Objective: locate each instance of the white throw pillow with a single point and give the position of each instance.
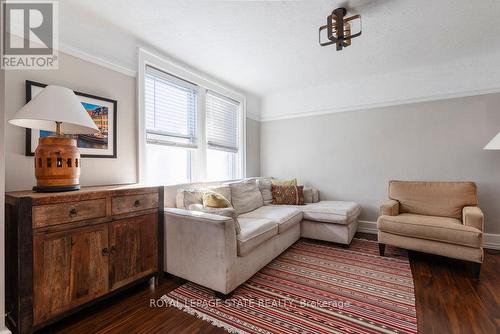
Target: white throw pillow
(246, 196)
(315, 195)
(308, 195)
(186, 197)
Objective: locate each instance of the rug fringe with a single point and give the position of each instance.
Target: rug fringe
(201, 315)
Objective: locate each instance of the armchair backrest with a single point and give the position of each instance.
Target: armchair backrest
(444, 199)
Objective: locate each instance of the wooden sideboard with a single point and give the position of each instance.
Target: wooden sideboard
(65, 251)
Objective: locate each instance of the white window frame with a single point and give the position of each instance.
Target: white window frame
(199, 158)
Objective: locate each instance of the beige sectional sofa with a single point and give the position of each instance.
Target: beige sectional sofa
(209, 250)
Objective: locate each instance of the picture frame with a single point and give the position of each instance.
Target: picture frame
(102, 110)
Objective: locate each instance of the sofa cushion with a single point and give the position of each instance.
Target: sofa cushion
(435, 228)
(226, 212)
(254, 231)
(445, 199)
(284, 216)
(246, 196)
(265, 188)
(337, 212)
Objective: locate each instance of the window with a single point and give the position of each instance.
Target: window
(190, 128)
(170, 119)
(222, 120)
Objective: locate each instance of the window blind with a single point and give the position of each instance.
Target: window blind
(222, 115)
(170, 107)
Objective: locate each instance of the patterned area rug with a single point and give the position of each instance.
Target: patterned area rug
(315, 288)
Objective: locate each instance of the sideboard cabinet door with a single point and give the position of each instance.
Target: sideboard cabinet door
(69, 269)
(133, 245)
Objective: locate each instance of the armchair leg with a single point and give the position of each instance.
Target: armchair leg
(381, 249)
(476, 269)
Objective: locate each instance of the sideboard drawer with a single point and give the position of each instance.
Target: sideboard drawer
(131, 203)
(54, 214)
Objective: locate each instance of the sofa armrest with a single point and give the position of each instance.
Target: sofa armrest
(200, 247)
(389, 208)
(473, 216)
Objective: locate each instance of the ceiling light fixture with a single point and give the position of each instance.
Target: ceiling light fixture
(339, 29)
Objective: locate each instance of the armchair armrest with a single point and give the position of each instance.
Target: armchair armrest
(200, 247)
(473, 216)
(390, 208)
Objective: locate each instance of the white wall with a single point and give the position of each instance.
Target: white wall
(253, 148)
(254, 106)
(459, 77)
(86, 77)
(353, 155)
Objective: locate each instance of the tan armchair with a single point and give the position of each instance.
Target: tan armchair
(434, 217)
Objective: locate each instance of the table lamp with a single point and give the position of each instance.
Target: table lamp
(494, 144)
(57, 159)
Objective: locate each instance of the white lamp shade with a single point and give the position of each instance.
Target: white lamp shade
(55, 104)
(494, 144)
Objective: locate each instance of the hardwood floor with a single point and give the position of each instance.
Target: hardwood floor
(448, 300)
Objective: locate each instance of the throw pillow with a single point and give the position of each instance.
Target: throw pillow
(291, 182)
(226, 212)
(215, 200)
(315, 194)
(246, 196)
(265, 189)
(186, 197)
(288, 195)
(224, 190)
(308, 195)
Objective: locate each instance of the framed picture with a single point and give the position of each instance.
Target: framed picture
(103, 112)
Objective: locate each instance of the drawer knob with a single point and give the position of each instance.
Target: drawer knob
(73, 212)
(112, 249)
(105, 251)
(137, 203)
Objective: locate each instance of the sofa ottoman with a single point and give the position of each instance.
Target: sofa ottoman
(335, 221)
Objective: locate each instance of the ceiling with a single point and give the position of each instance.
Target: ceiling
(266, 47)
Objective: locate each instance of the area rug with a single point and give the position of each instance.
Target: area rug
(314, 287)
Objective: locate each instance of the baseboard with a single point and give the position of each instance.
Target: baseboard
(491, 241)
(365, 226)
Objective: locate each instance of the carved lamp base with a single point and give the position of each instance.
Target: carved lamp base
(57, 164)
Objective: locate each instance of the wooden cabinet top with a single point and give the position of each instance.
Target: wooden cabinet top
(85, 193)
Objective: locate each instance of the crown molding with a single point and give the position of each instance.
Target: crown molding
(252, 115)
(64, 48)
(389, 103)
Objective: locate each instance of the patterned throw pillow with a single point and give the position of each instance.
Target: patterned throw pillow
(291, 182)
(288, 195)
